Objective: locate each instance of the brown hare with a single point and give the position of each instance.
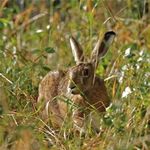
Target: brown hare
(78, 86)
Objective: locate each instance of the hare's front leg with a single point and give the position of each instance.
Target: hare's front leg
(78, 112)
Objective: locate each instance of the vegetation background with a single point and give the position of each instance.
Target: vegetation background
(34, 39)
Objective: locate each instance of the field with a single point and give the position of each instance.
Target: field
(34, 39)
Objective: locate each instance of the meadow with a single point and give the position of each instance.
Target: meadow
(34, 39)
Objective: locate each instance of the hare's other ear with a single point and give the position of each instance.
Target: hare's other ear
(76, 50)
(102, 47)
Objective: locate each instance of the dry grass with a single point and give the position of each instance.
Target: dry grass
(34, 41)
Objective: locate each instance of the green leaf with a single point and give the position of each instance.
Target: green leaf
(1, 25)
(49, 50)
(1, 109)
(46, 68)
(36, 51)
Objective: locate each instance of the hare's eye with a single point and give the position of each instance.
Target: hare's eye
(86, 72)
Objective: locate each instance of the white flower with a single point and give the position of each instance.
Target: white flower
(4, 38)
(137, 66)
(14, 50)
(141, 52)
(121, 76)
(84, 8)
(147, 74)
(126, 92)
(140, 59)
(127, 52)
(48, 27)
(39, 31)
(125, 67)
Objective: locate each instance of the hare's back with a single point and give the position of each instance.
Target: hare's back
(48, 87)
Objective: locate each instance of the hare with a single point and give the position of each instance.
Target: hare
(78, 85)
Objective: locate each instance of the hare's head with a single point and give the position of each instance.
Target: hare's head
(81, 76)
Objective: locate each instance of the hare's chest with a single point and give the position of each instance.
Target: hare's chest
(70, 104)
(99, 100)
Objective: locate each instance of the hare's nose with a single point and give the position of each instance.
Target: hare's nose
(72, 86)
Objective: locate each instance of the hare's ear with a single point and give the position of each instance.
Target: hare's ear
(76, 50)
(101, 47)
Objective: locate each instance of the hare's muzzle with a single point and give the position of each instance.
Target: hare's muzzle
(73, 89)
(72, 86)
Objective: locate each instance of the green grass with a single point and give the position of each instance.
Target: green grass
(30, 47)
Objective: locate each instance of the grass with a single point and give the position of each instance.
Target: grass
(36, 41)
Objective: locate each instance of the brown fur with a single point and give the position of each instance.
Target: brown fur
(77, 88)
